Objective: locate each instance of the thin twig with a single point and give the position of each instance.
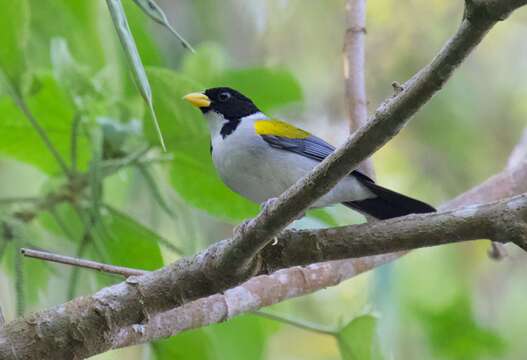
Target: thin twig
(296, 323)
(74, 141)
(110, 167)
(20, 199)
(19, 282)
(2, 319)
(88, 264)
(158, 15)
(355, 72)
(161, 240)
(21, 103)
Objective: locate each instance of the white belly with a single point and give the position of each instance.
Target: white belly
(252, 168)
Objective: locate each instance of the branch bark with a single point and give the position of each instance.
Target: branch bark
(90, 321)
(265, 290)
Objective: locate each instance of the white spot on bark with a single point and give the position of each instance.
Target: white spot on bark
(282, 277)
(516, 203)
(139, 329)
(467, 211)
(239, 300)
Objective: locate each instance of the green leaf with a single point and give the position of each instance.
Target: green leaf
(74, 77)
(156, 13)
(190, 345)
(144, 39)
(268, 88)
(63, 216)
(53, 110)
(126, 241)
(255, 330)
(359, 340)
(129, 243)
(219, 341)
(192, 173)
(130, 48)
(35, 273)
(324, 216)
(80, 23)
(453, 333)
(14, 34)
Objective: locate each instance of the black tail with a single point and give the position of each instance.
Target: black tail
(388, 204)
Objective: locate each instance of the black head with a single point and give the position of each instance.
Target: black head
(226, 101)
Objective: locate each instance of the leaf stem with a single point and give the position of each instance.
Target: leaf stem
(22, 105)
(296, 323)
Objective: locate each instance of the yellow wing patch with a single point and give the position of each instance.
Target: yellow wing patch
(279, 128)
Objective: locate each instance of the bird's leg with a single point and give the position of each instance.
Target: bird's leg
(267, 203)
(265, 206)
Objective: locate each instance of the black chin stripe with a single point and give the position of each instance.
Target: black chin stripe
(229, 127)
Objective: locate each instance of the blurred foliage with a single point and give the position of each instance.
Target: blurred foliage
(359, 339)
(124, 201)
(453, 333)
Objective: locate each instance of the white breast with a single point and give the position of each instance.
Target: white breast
(254, 169)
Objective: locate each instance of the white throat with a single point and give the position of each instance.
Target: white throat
(216, 121)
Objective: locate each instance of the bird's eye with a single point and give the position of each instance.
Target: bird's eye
(224, 96)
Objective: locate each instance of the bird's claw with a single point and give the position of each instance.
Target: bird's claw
(269, 202)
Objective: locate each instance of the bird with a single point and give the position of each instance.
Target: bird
(260, 157)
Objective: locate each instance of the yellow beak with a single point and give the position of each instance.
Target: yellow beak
(197, 99)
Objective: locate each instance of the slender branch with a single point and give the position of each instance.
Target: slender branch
(354, 71)
(257, 292)
(88, 264)
(21, 199)
(227, 263)
(19, 280)
(74, 141)
(2, 319)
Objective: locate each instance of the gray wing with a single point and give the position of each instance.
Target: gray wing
(311, 147)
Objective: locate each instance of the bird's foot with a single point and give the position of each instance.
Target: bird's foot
(269, 202)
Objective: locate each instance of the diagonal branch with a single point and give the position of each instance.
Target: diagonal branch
(228, 263)
(384, 124)
(256, 291)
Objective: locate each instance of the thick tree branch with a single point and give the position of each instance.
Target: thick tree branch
(502, 221)
(354, 71)
(265, 290)
(92, 320)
